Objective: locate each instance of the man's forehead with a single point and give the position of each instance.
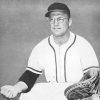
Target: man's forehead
(57, 13)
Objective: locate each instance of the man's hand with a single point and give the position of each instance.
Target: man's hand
(12, 91)
(83, 89)
(9, 91)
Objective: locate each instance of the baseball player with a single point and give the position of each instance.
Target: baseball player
(64, 56)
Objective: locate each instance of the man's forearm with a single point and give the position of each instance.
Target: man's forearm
(21, 86)
(94, 71)
(29, 78)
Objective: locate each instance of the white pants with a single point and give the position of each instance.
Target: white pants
(49, 91)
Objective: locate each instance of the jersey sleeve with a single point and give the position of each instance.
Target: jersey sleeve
(33, 62)
(88, 56)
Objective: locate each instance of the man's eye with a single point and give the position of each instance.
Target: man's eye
(60, 19)
(51, 19)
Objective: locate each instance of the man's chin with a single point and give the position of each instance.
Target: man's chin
(58, 35)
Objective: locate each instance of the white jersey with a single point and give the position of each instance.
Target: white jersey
(65, 63)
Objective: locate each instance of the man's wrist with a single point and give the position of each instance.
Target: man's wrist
(20, 87)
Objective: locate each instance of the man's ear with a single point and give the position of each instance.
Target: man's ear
(70, 21)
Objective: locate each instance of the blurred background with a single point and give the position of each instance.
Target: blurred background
(23, 25)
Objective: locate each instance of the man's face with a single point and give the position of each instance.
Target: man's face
(59, 23)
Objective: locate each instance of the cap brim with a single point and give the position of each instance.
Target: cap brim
(56, 10)
(48, 14)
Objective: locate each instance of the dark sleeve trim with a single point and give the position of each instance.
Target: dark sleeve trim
(91, 67)
(29, 78)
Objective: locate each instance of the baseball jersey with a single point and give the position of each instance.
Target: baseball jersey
(62, 63)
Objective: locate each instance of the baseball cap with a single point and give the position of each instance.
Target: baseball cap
(56, 6)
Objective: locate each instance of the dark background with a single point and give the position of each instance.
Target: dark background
(23, 25)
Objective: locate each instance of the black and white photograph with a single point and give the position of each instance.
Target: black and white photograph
(49, 49)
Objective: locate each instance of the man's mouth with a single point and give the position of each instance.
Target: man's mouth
(57, 28)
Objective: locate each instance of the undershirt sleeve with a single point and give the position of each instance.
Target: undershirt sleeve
(29, 78)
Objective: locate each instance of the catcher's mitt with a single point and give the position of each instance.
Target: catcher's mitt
(85, 88)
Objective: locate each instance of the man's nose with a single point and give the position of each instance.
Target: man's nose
(56, 22)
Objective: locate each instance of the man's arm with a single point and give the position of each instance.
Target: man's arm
(93, 71)
(85, 87)
(90, 72)
(29, 78)
(25, 83)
